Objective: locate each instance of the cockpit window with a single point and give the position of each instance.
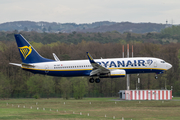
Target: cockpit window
(162, 61)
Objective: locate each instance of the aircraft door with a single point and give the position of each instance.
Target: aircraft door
(46, 68)
(155, 63)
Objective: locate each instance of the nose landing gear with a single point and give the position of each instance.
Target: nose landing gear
(156, 77)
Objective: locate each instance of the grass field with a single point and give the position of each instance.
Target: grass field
(89, 108)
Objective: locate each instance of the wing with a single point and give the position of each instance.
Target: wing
(97, 69)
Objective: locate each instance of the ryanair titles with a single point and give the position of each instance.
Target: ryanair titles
(129, 63)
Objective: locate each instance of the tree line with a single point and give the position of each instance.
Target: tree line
(166, 36)
(15, 82)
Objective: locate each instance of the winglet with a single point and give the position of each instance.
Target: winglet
(90, 58)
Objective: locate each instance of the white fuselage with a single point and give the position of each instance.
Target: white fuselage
(83, 67)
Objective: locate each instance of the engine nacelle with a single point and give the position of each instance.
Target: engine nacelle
(114, 74)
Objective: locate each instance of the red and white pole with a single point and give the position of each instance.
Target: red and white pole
(132, 50)
(128, 77)
(123, 51)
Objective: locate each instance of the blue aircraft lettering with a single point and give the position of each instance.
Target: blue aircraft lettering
(135, 64)
(141, 62)
(122, 63)
(105, 63)
(129, 63)
(112, 64)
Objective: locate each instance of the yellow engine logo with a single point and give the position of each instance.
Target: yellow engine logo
(25, 50)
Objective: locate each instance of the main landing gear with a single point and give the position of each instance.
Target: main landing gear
(156, 77)
(97, 80)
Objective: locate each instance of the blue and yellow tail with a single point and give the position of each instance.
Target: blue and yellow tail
(27, 52)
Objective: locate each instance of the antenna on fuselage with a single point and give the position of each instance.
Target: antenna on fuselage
(132, 51)
(123, 51)
(55, 57)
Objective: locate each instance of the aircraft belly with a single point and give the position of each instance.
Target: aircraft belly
(136, 71)
(69, 73)
(61, 73)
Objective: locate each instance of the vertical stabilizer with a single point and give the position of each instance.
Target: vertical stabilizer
(27, 52)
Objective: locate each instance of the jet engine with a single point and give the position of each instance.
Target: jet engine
(114, 74)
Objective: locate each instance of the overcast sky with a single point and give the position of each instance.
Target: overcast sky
(88, 11)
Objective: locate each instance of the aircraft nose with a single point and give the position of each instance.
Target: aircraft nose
(168, 66)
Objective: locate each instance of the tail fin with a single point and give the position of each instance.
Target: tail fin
(27, 52)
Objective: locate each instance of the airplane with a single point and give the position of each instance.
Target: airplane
(99, 68)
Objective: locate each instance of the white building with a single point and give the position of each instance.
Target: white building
(145, 94)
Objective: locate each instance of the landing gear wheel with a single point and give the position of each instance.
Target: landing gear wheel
(91, 80)
(97, 80)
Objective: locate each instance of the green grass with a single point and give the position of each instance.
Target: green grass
(99, 107)
(176, 98)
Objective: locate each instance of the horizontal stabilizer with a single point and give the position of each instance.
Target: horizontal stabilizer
(27, 65)
(21, 65)
(16, 64)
